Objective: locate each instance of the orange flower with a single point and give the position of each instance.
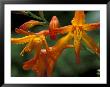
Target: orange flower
(33, 42)
(37, 63)
(55, 51)
(44, 60)
(78, 29)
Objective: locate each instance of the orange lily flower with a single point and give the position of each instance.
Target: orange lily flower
(78, 29)
(37, 64)
(44, 59)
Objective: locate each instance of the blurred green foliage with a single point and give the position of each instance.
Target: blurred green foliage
(66, 65)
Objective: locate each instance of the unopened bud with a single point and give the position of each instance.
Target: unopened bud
(54, 23)
(29, 24)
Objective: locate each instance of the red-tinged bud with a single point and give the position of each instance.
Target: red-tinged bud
(29, 24)
(54, 23)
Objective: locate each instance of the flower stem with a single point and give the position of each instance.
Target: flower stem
(28, 13)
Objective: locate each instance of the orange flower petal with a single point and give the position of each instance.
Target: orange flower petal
(52, 58)
(65, 29)
(36, 63)
(77, 46)
(92, 26)
(79, 18)
(27, 48)
(28, 64)
(35, 42)
(77, 37)
(22, 40)
(40, 66)
(69, 46)
(50, 67)
(61, 43)
(90, 43)
(51, 61)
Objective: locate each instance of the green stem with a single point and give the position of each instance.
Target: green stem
(41, 13)
(28, 13)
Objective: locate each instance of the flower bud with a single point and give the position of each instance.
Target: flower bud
(29, 24)
(54, 23)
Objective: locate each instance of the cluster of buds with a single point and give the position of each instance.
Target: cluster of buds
(45, 56)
